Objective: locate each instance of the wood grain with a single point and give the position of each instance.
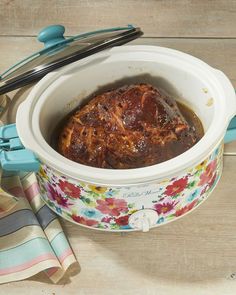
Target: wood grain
(196, 253)
(157, 18)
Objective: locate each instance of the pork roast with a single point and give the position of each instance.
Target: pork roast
(129, 127)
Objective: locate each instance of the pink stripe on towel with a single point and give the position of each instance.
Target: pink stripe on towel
(65, 254)
(27, 264)
(32, 191)
(68, 252)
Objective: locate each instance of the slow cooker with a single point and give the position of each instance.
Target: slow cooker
(107, 199)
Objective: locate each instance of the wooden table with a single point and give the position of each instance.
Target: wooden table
(195, 255)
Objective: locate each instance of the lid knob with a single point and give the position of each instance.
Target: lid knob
(51, 35)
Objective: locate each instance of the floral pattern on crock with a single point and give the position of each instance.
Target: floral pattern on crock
(109, 208)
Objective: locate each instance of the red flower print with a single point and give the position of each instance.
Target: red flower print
(210, 184)
(176, 187)
(56, 196)
(106, 219)
(123, 220)
(112, 206)
(209, 173)
(84, 221)
(185, 209)
(165, 207)
(204, 190)
(70, 189)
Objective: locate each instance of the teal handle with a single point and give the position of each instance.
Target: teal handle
(52, 35)
(13, 155)
(19, 160)
(231, 131)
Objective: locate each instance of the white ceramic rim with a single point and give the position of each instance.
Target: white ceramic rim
(32, 138)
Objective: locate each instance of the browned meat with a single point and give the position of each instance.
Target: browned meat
(130, 127)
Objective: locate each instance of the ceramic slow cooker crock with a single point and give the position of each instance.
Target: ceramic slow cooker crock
(132, 199)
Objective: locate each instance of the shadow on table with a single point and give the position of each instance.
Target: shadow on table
(72, 271)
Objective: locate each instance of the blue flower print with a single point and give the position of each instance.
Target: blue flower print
(194, 195)
(90, 213)
(110, 193)
(58, 209)
(160, 220)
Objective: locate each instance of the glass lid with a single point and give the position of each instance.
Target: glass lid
(60, 51)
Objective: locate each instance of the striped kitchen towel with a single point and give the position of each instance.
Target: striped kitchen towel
(7, 201)
(31, 238)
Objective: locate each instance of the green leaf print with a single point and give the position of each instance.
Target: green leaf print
(66, 213)
(198, 173)
(131, 205)
(192, 184)
(170, 216)
(115, 226)
(100, 226)
(175, 196)
(50, 203)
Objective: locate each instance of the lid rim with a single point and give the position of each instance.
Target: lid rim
(38, 72)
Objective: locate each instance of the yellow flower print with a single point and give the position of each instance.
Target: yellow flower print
(202, 165)
(132, 211)
(74, 211)
(97, 189)
(42, 173)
